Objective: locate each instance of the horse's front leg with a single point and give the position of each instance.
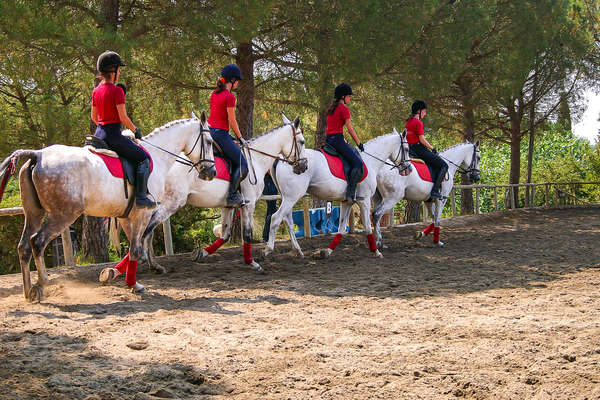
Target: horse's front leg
(227, 220)
(437, 217)
(286, 207)
(247, 213)
(109, 274)
(431, 227)
(136, 252)
(365, 216)
(383, 208)
(346, 208)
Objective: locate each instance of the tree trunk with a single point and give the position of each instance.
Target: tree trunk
(466, 90)
(412, 212)
(531, 141)
(244, 111)
(515, 163)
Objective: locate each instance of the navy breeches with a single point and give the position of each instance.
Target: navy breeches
(123, 146)
(430, 159)
(231, 150)
(337, 141)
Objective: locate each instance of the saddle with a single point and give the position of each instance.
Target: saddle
(119, 167)
(423, 169)
(222, 164)
(338, 165)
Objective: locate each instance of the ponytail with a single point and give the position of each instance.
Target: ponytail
(220, 85)
(411, 116)
(333, 106)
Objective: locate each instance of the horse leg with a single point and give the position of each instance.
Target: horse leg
(111, 273)
(34, 217)
(284, 209)
(53, 226)
(437, 216)
(289, 221)
(346, 208)
(246, 218)
(157, 218)
(227, 219)
(380, 210)
(431, 227)
(365, 216)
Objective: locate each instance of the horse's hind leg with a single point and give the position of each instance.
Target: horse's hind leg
(53, 226)
(289, 222)
(226, 222)
(346, 208)
(365, 207)
(285, 208)
(381, 209)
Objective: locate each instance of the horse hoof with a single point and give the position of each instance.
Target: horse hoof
(256, 266)
(378, 254)
(200, 255)
(384, 246)
(159, 269)
(325, 253)
(107, 275)
(440, 244)
(419, 235)
(138, 289)
(36, 293)
(267, 251)
(300, 254)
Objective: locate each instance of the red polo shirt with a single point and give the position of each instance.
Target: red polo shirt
(414, 128)
(105, 98)
(219, 102)
(336, 121)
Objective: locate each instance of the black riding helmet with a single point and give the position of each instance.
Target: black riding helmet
(109, 61)
(418, 105)
(341, 90)
(231, 71)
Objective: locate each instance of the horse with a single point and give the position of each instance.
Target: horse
(320, 182)
(59, 183)
(391, 188)
(261, 152)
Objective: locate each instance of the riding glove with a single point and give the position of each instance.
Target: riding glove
(242, 141)
(361, 147)
(137, 133)
(434, 150)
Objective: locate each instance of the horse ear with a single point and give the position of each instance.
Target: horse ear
(285, 119)
(477, 144)
(394, 130)
(203, 117)
(297, 122)
(194, 115)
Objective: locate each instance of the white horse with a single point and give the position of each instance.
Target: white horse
(183, 188)
(392, 188)
(320, 182)
(59, 183)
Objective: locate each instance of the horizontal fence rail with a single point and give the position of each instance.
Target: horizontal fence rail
(551, 193)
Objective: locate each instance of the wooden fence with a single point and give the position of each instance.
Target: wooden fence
(553, 193)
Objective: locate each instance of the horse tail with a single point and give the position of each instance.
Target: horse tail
(9, 166)
(274, 174)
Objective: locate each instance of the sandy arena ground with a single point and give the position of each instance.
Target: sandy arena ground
(509, 309)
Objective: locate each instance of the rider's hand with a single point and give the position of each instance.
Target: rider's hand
(361, 147)
(242, 141)
(434, 150)
(137, 133)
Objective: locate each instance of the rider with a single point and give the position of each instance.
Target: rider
(415, 136)
(108, 112)
(222, 116)
(338, 116)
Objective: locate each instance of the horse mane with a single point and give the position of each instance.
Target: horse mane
(265, 133)
(456, 145)
(378, 138)
(169, 125)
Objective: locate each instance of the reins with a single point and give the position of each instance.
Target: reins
(461, 169)
(402, 161)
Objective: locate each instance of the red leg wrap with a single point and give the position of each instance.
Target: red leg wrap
(130, 278)
(428, 230)
(371, 240)
(215, 246)
(122, 265)
(436, 234)
(248, 253)
(336, 240)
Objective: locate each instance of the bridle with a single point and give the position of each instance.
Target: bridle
(471, 170)
(297, 163)
(187, 161)
(403, 165)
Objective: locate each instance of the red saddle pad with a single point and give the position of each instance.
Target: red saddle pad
(114, 164)
(222, 167)
(337, 168)
(422, 170)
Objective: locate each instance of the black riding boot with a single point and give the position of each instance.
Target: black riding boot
(437, 185)
(353, 180)
(234, 197)
(141, 185)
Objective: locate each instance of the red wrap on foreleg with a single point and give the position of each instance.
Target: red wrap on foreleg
(215, 246)
(248, 253)
(371, 240)
(428, 230)
(436, 234)
(122, 265)
(336, 240)
(130, 278)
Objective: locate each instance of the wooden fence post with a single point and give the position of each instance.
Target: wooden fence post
(532, 202)
(477, 200)
(512, 197)
(306, 215)
(168, 237)
(547, 195)
(496, 198)
(67, 245)
(453, 202)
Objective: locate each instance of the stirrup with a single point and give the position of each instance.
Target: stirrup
(144, 202)
(235, 200)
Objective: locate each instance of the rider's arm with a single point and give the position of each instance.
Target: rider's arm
(424, 142)
(95, 115)
(233, 122)
(352, 131)
(125, 118)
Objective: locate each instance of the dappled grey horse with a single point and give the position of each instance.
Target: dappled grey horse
(59, 183)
